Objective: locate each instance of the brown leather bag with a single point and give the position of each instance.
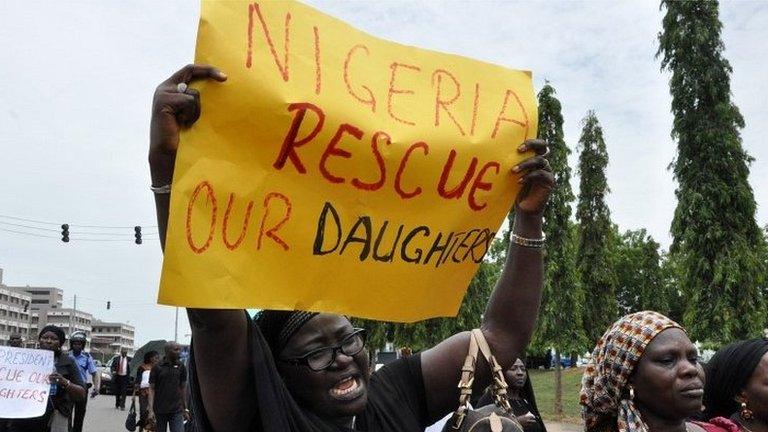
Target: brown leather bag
(497, 417)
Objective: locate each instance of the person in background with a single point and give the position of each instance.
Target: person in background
(15, 340)
(521, 398)
(736, 392)
(168, 391)
(644, 375)
(120, 370)
(88, 372)
(67, 388)
(141, 386)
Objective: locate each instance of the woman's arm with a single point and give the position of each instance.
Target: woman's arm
(73, 387)
(220, 336)
(75, 391)
(514, 304)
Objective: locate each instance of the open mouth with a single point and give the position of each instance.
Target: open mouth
(347, 389)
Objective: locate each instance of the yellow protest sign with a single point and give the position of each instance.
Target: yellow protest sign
(338, 172)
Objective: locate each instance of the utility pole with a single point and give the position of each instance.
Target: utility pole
(74, 311)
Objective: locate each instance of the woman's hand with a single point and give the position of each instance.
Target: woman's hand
(56, 378)
(527, 420)
(175, 106)
(537, 178)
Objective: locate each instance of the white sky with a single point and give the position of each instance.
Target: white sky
(76, 82)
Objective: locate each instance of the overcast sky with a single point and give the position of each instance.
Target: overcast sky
(76, 82)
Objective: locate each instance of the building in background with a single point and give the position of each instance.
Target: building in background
(14, 313)
(44, 297)
(108, 338)
(70, 320)
(27, 309)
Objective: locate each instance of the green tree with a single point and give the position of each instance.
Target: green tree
(640, 279)
(671, 271)
(560, 316)
(594, 260)
(714, 231)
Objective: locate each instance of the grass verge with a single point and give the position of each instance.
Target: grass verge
(544, 386)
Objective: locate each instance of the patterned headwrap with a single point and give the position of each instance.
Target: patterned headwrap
(606, 405)
(278, 326)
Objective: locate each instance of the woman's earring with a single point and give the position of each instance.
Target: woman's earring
(631, 393)
(745, 412)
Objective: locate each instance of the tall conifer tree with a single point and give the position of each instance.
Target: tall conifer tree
(560, 317)
(718, 241)
(594, 260)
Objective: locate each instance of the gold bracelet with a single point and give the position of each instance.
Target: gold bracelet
(529, 243)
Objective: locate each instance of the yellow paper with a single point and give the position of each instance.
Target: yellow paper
(338, 172)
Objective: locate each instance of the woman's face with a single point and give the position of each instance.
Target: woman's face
(755, 393)
(516, 375)
(49, 341)
(337, 392)
(669, 381)
(155, 359)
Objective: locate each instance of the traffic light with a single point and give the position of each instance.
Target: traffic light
(65, 233)
(109, 304)
(137, 230)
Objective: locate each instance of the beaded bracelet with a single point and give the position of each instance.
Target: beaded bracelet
(529, 243)
(164, 189)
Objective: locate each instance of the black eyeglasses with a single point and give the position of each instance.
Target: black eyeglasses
(321, 358)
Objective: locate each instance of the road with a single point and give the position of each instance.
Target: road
(101, 415)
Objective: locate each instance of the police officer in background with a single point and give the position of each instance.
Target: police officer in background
(89, 373)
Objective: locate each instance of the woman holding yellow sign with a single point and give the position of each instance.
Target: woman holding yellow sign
(307, 371)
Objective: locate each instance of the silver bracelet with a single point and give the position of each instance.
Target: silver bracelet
(529, 243)
(164, 189)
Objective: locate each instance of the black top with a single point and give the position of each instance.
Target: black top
(65, 366)
(396, 397)
(167, 379)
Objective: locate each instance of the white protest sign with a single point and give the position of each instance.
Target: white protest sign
(24, 383)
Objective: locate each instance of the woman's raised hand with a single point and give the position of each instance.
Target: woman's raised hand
(537, 178)
(175, 106)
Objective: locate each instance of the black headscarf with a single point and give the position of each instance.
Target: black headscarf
(526, 393)
(728, 373)
(55, 330)
(278, 326)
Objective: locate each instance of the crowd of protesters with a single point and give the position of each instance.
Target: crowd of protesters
(305, 371)
(310, 372)
(643, 375)
(160, 386)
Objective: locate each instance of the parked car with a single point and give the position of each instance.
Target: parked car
(106, 379)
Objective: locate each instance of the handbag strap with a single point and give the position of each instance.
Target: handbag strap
(465, 383)
(499, 386)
